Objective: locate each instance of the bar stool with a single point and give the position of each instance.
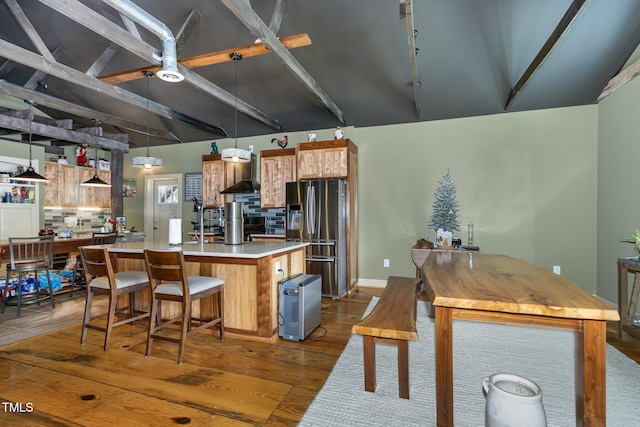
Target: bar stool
(78, 272)
(102, 280)
(29, 254)
(169, 282)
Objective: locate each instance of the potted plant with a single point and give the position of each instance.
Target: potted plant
(635, 240)
(424, 243)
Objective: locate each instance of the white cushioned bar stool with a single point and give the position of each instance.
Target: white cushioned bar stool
(169, 282)
(102, 280)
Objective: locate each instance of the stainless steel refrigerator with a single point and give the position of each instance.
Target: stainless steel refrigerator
(316, 213)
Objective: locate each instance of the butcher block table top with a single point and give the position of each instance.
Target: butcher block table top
(499, 283)
(501, 289)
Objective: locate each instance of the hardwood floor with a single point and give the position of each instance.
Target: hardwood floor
(234, 382)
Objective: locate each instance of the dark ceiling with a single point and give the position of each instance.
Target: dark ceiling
(471, 54)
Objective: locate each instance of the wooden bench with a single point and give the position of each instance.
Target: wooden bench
(392, 321)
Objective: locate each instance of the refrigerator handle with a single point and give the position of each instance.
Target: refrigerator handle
(311, 210)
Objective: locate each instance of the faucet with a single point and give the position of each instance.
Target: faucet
(200, 207)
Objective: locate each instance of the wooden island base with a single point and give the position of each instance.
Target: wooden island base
(251, 282)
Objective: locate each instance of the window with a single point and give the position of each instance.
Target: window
(168, 194)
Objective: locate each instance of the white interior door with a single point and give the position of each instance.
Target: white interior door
(163, 201)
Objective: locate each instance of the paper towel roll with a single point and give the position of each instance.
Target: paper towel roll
(175, 231)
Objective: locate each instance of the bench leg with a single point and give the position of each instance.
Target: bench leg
(403, 368)
(369, 363)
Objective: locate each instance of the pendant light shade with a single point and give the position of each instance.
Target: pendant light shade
(236, 155)
(147, 161)
(30, 174)
(96, 181)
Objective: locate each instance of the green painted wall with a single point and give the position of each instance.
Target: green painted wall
(618, 201)
(529, 181)
(526, 180)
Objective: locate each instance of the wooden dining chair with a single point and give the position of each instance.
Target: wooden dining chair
(28, 255)
(78, 279)
(169, 282)
(102, 280)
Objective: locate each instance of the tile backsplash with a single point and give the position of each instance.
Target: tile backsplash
(54, 218)
(274, 218)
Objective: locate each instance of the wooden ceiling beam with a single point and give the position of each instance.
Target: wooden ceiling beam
(33, 60)
(92, 20)
(243, 11)
(406, 10)
(58, 104)
(568, 18)
(620, 79)
(212, 58)
(35, 128)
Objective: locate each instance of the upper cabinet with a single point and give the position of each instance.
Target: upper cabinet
(277, 167)
(19, 210)
(94, 196)
(214, 178)
(324, 159)
(64, 189)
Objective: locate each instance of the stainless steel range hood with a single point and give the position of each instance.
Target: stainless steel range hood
(245, 174)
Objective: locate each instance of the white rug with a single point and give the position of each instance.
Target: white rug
(545, 356)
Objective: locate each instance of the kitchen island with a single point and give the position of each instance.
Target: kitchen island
(250, 273)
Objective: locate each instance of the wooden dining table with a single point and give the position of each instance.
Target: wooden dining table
(502, 289)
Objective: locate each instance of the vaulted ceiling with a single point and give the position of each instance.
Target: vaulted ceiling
(321, 64)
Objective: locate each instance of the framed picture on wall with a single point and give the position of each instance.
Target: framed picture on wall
(192, 185)
(129, 187)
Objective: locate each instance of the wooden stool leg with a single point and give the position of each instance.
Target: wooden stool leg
(369, 363)
(403, 368)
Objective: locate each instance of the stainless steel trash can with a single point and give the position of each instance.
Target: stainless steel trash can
(234, 224)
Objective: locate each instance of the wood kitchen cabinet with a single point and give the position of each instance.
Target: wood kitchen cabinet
(67, 177)
(217, 175)
(51, 188)
(93, 196)
(64, 189)
(277, 167)
(324, 159)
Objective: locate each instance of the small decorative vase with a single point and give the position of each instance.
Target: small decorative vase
(311, 137)
(214, 148)
(512, 400)
(338, 133)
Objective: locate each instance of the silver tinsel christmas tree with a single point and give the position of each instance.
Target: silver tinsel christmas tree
(445, 207)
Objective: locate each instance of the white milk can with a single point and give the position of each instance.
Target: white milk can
(512, 400)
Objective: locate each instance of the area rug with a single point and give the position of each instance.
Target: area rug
(480, 349)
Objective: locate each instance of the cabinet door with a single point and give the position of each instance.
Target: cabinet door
(104, 194)
(94, 197)
(51, 188)
(308, 164)
(68, 185)
(18, 220)
(213, 180)
(333, 162)
(322, 163)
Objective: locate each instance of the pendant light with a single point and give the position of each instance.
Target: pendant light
(236, 155)
(96, 181)
(30, 174)
(147, 161)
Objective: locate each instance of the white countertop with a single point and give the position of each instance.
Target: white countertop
(245, 250)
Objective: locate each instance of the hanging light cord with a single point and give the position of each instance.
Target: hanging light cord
(236, 57)
(30, 121)
(149, 75)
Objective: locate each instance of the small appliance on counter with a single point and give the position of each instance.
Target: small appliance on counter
(234, 224)
(300, 306)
